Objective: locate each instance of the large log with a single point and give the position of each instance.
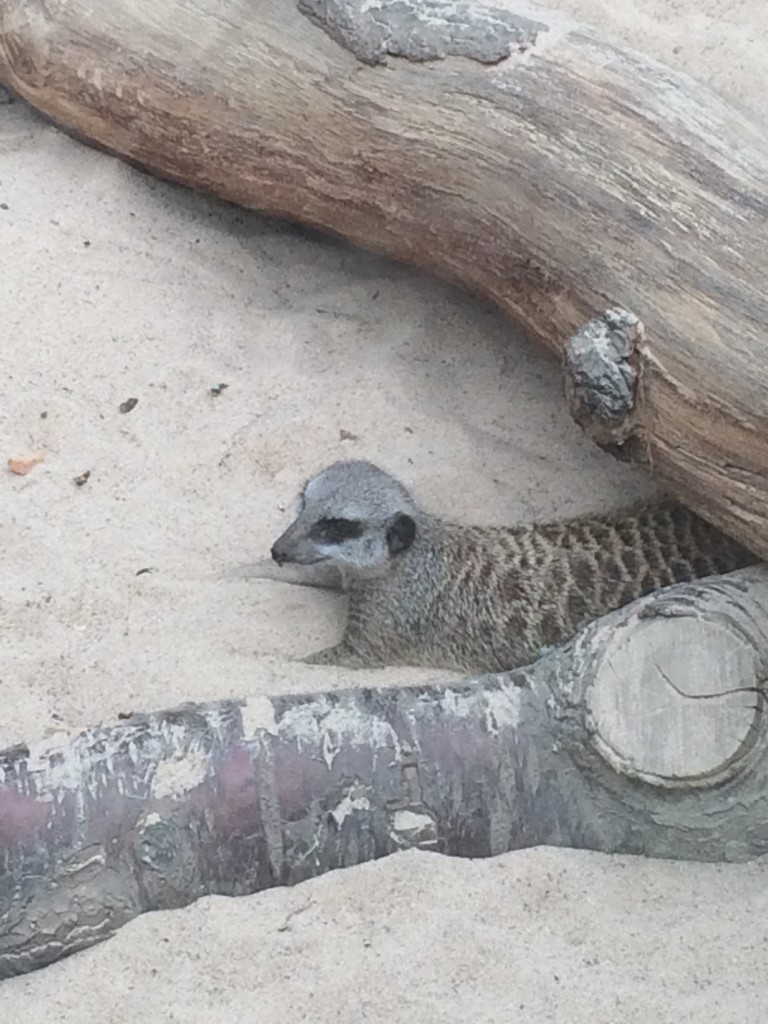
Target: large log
(505, 149)
(645, 734)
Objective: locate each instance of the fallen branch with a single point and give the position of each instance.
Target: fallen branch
(644, 735)
(505, 148)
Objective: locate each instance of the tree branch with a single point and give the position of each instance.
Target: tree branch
(504, 148)
(644, 735)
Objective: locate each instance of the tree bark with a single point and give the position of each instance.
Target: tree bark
(517, 154)
(645, 734)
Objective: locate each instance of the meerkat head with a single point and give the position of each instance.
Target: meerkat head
(354, 514)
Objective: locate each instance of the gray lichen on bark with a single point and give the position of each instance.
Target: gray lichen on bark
(601, 367)
(428, 30)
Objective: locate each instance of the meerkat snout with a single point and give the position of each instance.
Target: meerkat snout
(354, 514)
(278, 555)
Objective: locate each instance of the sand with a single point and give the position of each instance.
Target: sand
(115, 286)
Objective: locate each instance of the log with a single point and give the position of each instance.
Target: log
(645, 734)
(504, 148)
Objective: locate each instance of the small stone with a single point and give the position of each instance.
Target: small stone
(23, 464)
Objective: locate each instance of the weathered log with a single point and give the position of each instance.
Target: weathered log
(644, 735)
(516, 153)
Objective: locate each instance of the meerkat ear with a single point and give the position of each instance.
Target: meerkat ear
(401, 533)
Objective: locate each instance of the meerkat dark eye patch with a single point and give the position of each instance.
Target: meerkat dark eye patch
(336, 531)
(401, 533)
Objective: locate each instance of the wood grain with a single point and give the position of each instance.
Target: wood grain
(567, 178)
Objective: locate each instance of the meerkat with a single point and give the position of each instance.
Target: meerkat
(427, 592)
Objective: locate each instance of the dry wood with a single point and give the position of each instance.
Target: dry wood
(645, 734)
(506, 149)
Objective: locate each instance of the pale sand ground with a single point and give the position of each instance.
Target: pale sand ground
(114, 286)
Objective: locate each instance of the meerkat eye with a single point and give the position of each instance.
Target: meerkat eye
(336, 531)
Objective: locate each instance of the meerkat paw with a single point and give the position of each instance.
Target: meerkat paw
(340, 654)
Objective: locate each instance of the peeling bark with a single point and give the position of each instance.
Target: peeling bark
(645, 735)
(422, 30)
(505, 148)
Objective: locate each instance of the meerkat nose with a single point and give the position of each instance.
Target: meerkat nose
(278, 556)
